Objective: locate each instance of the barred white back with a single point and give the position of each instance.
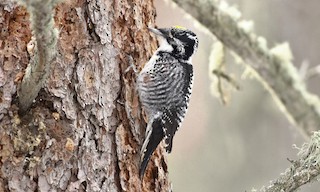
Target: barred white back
(165, 88)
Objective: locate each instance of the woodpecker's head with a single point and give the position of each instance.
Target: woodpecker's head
(179, 41)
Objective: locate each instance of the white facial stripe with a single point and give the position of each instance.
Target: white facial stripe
(165, 46)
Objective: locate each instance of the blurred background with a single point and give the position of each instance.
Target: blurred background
(246, 143)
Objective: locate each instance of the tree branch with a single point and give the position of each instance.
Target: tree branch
(306, 169)
(278, 74)
(42, 25)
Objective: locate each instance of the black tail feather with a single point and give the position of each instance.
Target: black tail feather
(154, 140)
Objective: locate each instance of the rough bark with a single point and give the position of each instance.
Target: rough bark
(85, 128)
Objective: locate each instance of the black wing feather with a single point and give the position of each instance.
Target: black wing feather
(155, 138)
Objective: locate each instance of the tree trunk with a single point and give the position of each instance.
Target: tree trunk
(84, 130)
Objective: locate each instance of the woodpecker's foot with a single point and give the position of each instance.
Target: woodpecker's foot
(131, 65)
(120, 102)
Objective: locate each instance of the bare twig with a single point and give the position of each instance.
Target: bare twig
(221, 80)
(307, 72)
(313, 72)
(42, 25)
(227, 77)
(279, 76)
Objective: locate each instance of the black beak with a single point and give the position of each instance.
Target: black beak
(158, 32)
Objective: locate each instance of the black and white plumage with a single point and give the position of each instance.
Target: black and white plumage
(164, 86)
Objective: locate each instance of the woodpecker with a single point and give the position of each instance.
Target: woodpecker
(164, 86)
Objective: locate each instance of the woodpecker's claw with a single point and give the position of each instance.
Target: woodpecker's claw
(131, 65)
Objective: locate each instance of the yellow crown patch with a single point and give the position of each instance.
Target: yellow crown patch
(179, 27)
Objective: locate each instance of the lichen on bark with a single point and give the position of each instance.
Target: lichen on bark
(83, 131)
